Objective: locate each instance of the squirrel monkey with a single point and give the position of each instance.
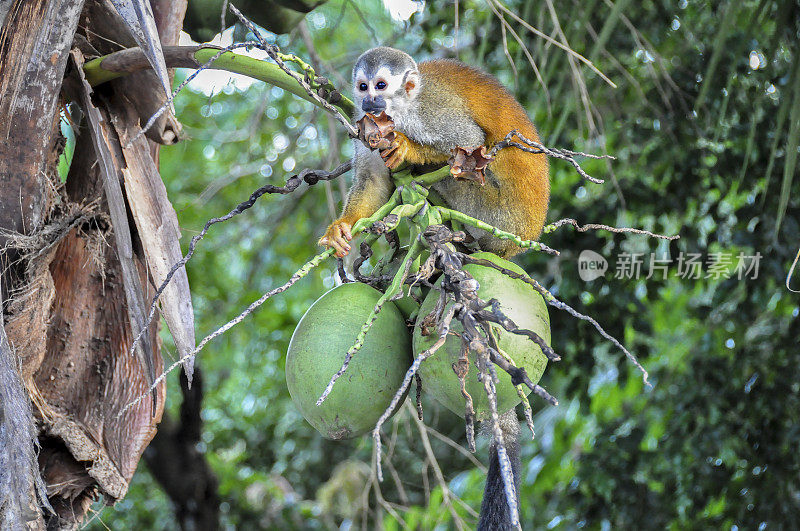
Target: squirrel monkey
(438, 106)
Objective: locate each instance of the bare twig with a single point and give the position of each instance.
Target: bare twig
(497, 316)
(525, 50)
(308, 176)
(437, 472)
(444, 329)
(555, 42)
(461, 368)
(526, 405)
(275, 54)
(576, 74)
(171, 97)
(503, 27)
(464, 288)
(222, 13)
(791, 272)
(530, 146)
(458, 448)
(498, 439)
(300, 273)
(597, 226)
(418, 400)
(552, 301)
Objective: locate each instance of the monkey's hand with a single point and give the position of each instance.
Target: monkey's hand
(337, 236)
(396, 154)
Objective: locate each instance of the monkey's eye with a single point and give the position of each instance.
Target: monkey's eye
(380, 85)
(362, 87)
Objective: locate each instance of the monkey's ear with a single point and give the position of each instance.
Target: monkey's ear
(411, 84)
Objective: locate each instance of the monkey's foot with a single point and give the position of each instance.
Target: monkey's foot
(337, 236)
(470, 165)
(394, 155)
(377, 132)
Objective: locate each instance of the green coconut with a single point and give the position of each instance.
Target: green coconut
(518, 301)
(318, 347)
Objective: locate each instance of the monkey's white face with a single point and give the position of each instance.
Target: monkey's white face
(385, 91)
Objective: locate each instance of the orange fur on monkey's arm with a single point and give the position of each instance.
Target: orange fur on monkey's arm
(406, 150)
(369, 192)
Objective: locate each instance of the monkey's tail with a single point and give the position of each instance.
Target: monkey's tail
(494, 508)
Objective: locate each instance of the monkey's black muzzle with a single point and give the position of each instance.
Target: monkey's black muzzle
(373, 105)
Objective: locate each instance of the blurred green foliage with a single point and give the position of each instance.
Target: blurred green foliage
(714, 442)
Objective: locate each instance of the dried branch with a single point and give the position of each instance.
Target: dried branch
(310, 177)
(471, 311)
(458, 448)
(519, 375)
(275, 54)
(463, 287)
(530, 146)
(551, 40)
(374, 486)
(444, 329)
(418, 398)
(437, 472)
(553, 301)
(791, 272)
(577, 78)
(481, 350)
(523, 47)
(300, 273)
(461, 368)
(597, 226)
(526, 405)
(497, 316)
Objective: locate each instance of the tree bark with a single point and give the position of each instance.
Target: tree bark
(19, 473)
(34, 43)
(77, 268)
